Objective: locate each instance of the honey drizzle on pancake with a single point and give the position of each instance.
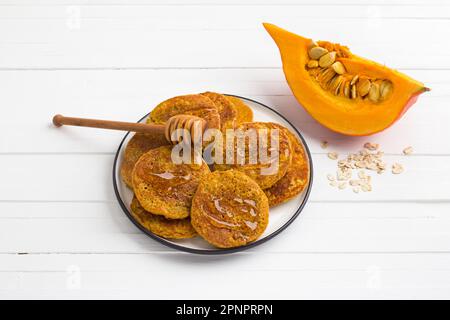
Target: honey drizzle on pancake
(169, 175)
(223, 208)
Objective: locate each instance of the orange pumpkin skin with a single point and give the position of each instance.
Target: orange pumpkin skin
(358, 117)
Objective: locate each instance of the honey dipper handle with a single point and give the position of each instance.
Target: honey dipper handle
(59, 120)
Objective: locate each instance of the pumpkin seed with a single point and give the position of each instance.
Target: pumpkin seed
(347, 89)
(385, 89)
(327, 59)
(313, 64)
(363, 87)
(330, 84)
(353, 91)
(354, 79)
(317, 52)
(315, 72)
(341, 90)
(374, 92)
(338, 67)
(312, 44)
(326, 77)
(337, 84)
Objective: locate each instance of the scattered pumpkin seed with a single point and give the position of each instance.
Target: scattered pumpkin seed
(324, 144)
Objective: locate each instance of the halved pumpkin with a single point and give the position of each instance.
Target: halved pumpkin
(331, 99)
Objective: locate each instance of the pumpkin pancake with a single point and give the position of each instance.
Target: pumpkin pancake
(161, 226)
(244, 112)
(139, 144)
(296, 177)
(265, 173)
(229, 209)
(192, 104)
(226, 108)
(163, 187)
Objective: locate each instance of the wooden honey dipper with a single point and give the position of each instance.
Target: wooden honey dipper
(181, 121)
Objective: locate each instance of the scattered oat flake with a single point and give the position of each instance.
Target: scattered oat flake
(371, 146)
(397, 168)
(343, 174)
(361, 164)
(333, 155)
(324, 144)
(408, 150)
(362, 174)
(366, 187)
(368, 159)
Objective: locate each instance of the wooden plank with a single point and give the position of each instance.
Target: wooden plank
(89, 178)
(308, 276)
(154, 262)
(351, 227)
(58, 36)
(108, 95)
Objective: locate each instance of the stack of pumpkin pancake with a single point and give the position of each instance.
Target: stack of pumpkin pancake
(226, 204)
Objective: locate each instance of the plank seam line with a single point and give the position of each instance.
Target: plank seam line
(177, 68)
(212, 29)
(106, 153)
(248, 252)
(310, 201)
(226, 4)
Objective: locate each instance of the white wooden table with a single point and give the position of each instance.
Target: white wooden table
(62, 232)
